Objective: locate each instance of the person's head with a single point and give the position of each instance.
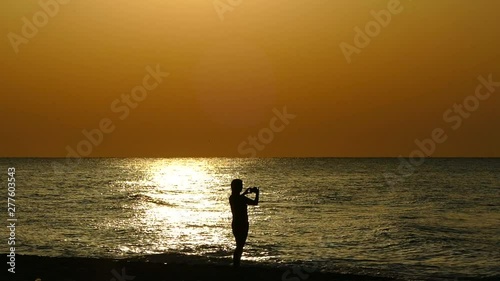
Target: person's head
(236, 186)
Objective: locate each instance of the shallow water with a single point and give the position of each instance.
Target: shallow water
(334, 214)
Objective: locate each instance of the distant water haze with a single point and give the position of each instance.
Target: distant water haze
(338, 214)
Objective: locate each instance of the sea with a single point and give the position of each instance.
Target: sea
(438, 219)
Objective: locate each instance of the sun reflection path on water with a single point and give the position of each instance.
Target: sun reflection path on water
(185, 208)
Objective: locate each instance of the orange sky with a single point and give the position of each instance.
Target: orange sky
(226, 77)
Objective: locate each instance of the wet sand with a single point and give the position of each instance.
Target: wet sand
(30, 268)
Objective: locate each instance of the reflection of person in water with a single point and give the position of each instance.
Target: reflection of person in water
(239, 204)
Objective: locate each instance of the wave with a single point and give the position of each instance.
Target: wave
(150, 199)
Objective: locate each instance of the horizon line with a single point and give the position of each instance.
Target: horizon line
(234, 157)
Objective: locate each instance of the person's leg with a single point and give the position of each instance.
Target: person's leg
(240, 234)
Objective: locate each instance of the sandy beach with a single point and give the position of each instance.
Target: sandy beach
(87, 269)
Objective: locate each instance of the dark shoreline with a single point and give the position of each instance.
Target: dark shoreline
(29, 268)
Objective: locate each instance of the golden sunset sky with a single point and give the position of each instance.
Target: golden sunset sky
(230, 63)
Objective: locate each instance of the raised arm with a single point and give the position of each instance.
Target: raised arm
(255, 201)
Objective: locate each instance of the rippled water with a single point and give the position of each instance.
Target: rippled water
(338, 214)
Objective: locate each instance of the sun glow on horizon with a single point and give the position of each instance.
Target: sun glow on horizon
(178, 175)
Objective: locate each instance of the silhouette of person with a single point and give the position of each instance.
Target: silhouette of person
(240, 225)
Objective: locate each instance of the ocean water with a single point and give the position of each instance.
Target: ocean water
(441, 221)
